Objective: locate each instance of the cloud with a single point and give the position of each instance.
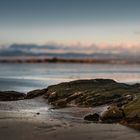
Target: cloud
(33, 49)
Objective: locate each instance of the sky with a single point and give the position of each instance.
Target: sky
(70, 21)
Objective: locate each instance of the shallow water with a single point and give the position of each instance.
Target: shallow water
(26, 77)
(30, 108)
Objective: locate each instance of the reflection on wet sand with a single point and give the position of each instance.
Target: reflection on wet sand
(34, 119)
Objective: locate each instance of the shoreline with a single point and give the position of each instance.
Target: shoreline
(27, 124)
(44, 114)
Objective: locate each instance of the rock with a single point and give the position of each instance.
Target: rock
(11, 95)
(92, 117)
(38, 113)
(113, 114)
(35, 93)
(61, 103)
(132, 109)
(52, 97)
(74, 96)
(91, 93)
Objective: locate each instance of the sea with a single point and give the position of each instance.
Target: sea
(26, 77)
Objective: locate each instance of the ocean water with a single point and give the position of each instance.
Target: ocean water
(26, 77)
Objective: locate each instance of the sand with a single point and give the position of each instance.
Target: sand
(35, 120)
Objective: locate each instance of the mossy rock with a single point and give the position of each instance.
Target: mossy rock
(61, 103)
(93, 92)
(35, 93)
(112, 114)
(132, 109)
(11, 95)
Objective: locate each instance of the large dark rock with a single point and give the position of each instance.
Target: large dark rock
(91, 93)
(92, 117)
(35, 93)
(11, 96)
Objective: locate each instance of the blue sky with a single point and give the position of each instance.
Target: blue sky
(69, 21)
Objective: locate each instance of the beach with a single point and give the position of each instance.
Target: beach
(69, 70)
(35, 120)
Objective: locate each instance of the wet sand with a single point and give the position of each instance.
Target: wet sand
(21, 130)
(35, 120)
